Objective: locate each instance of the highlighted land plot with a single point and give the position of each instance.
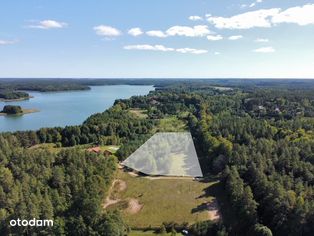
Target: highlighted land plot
(166, 154)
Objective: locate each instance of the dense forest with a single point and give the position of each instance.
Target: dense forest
(256, 137)
(68, 187)
(265, 152)
(260, 141)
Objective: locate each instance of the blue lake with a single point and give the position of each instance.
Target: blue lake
(66, 108)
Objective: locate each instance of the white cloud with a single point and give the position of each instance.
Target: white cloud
(214, 37)
(264, 50)
(259, 18)
(254, 3)
(164, 49)
(235, 37)
(191, 50)
(217, 53)
(196, 31)
(148, 47)
(49, 24)
(187, 31)
(135, 31)
(195, 18)
(156, 33)
(7, 42)
(262, 40)
(299, 15)
(107, 31)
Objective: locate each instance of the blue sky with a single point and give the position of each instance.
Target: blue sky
(157, 39)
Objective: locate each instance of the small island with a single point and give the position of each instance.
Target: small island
(15, 110)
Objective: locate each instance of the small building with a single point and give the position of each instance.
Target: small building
(94, 149)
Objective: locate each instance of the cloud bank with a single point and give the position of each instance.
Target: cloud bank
(162, 48)
(301, 15)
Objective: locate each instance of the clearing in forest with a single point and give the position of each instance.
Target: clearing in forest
(166, 154)
(171, 124)
(140, 113)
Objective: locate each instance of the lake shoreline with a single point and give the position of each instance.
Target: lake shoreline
(16, 99)
(67, 108)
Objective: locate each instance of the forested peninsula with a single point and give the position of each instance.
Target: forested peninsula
(12, 95)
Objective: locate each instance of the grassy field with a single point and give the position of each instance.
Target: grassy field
(111, 148)
(140, 113)
(47, 146)
(171, 124)
(147, 233)
(162, 200)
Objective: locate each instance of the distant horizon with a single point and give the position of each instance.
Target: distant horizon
(148, 78)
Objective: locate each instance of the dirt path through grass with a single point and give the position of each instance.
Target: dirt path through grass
(121, 187)
(213, 210)
(134, 206)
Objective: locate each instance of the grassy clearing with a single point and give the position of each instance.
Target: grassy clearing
(163, 200)
(53, 147)
(171, 124)
(147, 233)
(47, 146)
(140, 113)
(111, 148)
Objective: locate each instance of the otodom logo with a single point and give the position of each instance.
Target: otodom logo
(33, 223)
